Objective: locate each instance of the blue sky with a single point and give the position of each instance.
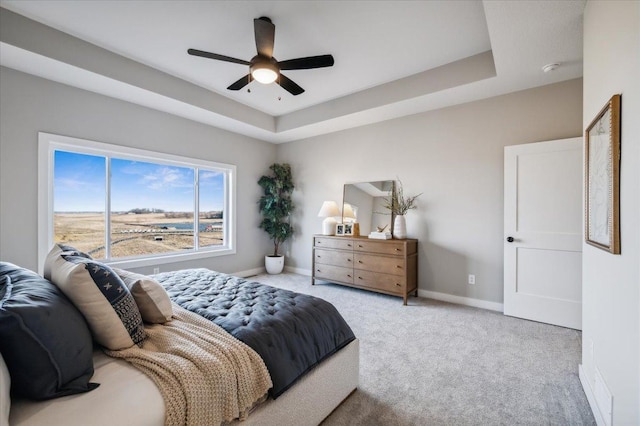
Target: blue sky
(79, 185)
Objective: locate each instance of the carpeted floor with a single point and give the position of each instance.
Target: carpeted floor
(434, 363)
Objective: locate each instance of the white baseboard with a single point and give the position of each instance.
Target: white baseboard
(591, 397)
(300, 271)
(460, 300)
(249, 272)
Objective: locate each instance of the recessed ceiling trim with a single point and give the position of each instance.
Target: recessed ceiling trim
(35, 48)
(41, 66)
(465, 71)
(28, 35)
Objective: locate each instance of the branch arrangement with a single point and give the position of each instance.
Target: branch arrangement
(398, 203)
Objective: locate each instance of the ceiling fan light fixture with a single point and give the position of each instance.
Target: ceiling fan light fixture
(265, 73)
(264, 67)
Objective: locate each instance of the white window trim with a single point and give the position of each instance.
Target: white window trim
(48, 143)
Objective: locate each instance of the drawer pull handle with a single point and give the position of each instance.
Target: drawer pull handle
(348, 245)
(318, 270)
(397, 249)
(348, 260)
(360, 278)
(349, 275)
(360, 245)
(398, 266)
(318, 256)
(359, 261)
(398, 284)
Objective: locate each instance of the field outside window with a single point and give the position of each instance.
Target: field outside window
(115, 207)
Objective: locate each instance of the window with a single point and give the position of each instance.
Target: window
(133, 207)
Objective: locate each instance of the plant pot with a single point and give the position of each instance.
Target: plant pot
(274, 264)
(400, 228)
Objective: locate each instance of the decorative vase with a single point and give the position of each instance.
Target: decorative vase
(400, 227)
(274, 264)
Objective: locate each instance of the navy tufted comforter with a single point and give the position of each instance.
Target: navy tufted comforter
(292, 332)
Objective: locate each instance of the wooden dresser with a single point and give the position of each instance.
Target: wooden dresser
(385, 266)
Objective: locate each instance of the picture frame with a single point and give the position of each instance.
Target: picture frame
(348, 229)
(602, 178)
(340, 229)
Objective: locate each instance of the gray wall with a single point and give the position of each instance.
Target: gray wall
(611, 284)
(455, 157)
(30, 104)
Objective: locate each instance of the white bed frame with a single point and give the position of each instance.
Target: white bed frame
(127, 396)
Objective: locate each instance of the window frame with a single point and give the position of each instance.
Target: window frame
(49, 143)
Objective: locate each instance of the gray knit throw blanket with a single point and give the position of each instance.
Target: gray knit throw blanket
(205, 375)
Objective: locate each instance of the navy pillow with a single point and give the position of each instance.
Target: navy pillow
(44, 340)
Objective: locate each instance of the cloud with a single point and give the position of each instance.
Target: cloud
(207, 175)
(71, 184)
(163, 177)
(211, 179)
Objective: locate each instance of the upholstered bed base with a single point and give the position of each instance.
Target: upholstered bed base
(127, 396)
(315, 395)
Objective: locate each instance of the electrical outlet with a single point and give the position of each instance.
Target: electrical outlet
(472, 279)
(156, 270)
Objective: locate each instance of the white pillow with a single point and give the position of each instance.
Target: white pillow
(5, 397)
(152, 299)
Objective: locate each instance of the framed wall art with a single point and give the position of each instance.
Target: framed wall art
(602, 178)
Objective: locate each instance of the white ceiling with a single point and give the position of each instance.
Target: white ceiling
(387, 55)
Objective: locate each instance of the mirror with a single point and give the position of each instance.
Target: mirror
(363, 202)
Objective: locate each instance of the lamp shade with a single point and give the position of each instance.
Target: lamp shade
(329, 209)
(348, 211)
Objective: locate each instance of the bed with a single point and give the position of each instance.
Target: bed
(303, 393)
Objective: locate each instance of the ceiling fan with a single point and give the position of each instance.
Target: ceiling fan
(264, 67)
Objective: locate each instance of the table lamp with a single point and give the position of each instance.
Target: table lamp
(329, 211)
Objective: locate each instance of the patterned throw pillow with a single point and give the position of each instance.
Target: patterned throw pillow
(101, 296)
(152, 299)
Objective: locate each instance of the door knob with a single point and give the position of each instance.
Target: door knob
(509, 239)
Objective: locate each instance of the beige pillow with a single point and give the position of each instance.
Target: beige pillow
(152, 299)
(100, 295)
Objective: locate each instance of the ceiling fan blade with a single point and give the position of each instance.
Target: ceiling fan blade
(242, 81)
(265, 33)
(288, 85)
(196, 52)
(309, 62)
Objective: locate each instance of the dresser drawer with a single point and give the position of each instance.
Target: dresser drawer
(334, 257)
(376, 263)
(334, 243)
(387, 247)
(384, 282)
(330, 273)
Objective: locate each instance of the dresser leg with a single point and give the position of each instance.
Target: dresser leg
(313, 281)
(404, 299)
(416, 293)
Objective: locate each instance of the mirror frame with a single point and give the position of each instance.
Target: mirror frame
(391, 214)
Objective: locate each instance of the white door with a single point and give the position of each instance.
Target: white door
(543, 232)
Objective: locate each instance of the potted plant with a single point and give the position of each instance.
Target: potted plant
(399, 205)
(276, 207)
